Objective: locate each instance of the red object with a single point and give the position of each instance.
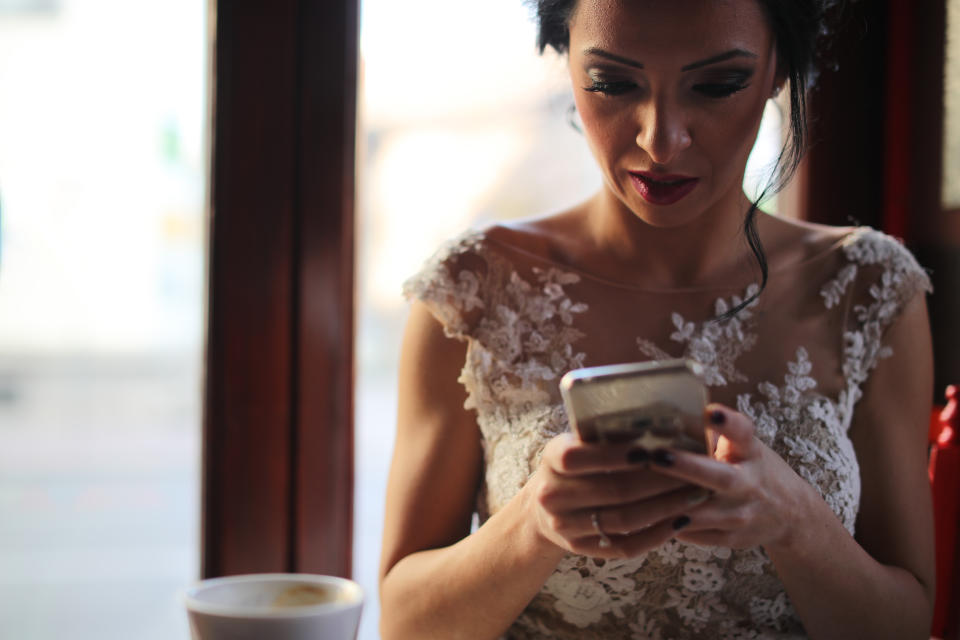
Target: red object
(944, 473)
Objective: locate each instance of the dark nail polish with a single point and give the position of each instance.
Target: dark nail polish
(718, 417)
(663, 458)
(637, 456)
(681, 522)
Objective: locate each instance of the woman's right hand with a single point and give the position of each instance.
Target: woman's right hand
(602, 500)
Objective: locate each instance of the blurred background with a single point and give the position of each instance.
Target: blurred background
(103, 191)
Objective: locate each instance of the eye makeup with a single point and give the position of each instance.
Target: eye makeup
(613, 88)
(723, 83)
(610, 81)
(715, 84)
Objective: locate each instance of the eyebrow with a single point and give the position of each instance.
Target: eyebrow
(720, 57)
(601, 53)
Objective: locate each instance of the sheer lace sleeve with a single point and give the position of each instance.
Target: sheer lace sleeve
(883, 277)
(450, 284)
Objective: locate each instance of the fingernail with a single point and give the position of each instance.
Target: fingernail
(698, 497)
(663, 458)
(717, 417)
(681, 522)
(637, 456)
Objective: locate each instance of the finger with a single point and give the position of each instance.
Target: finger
(719, 514)
(628, 546)
(556, 449)
(736, 428)
(633, 545)
(697, 469)
(724, 523)
(630, 518)
(569, 455)
(570, 493)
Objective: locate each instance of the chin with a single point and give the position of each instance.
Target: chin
(665, 217)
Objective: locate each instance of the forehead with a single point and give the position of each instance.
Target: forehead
(665, 29)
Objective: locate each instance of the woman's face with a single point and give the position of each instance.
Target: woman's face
(671, 93)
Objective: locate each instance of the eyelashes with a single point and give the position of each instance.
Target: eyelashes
(717, 90)
(720, 90)
(610, 88)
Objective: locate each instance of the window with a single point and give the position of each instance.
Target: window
(102, 183)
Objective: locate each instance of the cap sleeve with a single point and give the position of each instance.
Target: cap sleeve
(450, 283)
(888, 280)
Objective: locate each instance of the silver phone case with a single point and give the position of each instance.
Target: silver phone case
(657, 404)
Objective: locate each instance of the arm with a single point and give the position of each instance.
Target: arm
(879, 585)
(436, 581)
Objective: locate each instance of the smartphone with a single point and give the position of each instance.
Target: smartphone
(657, 404)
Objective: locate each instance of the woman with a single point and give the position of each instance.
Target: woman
(812, 519)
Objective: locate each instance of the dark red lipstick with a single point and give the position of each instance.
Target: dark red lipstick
(662, 188)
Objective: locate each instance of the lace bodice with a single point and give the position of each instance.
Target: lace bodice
(794, 360)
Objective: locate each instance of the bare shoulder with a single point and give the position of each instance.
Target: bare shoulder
(549, 237)
(789, 242)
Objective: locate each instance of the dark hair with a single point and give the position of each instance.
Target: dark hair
(799, 27)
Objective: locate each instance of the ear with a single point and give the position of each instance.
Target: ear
(779, 79)
(779, 74)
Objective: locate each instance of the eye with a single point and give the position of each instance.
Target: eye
(723, 83)
(720, 89)
(610, 88)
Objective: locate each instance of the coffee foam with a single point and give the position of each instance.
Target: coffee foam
(304, 595)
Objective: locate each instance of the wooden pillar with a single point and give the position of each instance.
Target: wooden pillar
(278, 423)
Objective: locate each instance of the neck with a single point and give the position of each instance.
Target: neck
(709, 250)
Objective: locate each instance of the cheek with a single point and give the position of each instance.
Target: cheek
(607, 130)
(728, 139)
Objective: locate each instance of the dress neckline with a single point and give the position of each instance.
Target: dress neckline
(839, 243)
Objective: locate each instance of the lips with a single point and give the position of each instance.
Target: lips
(662, 188)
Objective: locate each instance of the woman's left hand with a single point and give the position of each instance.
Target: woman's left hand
(757, 498)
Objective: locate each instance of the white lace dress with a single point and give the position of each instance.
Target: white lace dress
(794, 361)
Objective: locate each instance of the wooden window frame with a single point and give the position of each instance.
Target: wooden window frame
(278, 411)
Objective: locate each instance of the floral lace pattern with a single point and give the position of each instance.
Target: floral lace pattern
(900, 278)
(526, 336)
(510, 392)
(810, 432)
(715, 345)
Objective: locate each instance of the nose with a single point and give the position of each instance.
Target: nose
(663, 132)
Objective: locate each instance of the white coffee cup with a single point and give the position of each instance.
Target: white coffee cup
(278, 606)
